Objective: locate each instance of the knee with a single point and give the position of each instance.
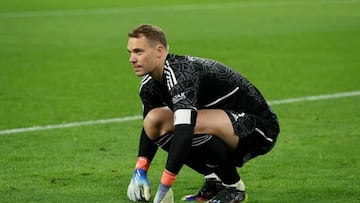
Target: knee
(152, 119)
(157, 122)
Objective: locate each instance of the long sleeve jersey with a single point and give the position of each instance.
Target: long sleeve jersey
(192, 83)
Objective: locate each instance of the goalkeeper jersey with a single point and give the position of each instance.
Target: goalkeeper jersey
(194, 83)
(197, 83)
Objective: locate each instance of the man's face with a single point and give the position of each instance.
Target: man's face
(143, 56)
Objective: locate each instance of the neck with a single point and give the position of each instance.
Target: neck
(157, 74)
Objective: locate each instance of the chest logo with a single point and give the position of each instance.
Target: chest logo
(178, 97)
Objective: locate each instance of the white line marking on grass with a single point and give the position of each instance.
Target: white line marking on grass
(184, 7)
(70, 125)
(132, 118)
(315, 98)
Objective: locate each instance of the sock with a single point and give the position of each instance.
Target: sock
(212, 175)
(240, 185)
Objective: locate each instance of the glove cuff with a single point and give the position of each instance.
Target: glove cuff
(142, 163)
(168, 178)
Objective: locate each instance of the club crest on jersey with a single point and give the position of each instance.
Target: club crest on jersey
(178, 97)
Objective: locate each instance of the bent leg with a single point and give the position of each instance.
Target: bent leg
(213, 156)
(160, 121)
(216, 122)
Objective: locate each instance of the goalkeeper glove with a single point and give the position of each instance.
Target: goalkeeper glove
(139, 187)
(164, 194)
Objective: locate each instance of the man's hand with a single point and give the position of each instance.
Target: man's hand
(164, 194)
(139, 187)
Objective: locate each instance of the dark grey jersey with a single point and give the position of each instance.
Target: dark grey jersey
(192, 83)
(197, 83)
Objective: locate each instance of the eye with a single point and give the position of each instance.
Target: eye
(138, 52)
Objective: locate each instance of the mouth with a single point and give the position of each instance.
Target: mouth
(137, 68)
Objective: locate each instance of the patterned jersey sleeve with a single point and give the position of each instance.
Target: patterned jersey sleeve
(183, 83)
(150, 95)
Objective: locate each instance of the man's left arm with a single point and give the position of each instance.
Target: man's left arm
(185, 114)
(184, 121)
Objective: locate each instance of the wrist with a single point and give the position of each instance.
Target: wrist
(167, 178)
(142, 163)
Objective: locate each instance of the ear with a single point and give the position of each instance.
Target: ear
(160, 50)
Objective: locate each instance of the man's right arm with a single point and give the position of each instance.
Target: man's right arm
(147, 147)
(139, 187)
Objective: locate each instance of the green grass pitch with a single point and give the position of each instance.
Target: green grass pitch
(66, 61)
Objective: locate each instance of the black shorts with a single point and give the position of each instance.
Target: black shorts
(257, 135)
(165, 140)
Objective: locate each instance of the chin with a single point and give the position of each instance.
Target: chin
(139, 74)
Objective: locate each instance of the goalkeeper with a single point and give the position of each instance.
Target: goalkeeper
(188, 98)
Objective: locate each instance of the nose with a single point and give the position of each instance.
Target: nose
(132, 58)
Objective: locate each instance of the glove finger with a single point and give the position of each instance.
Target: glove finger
(131, 194)
(132, 197)
(142, 194)
(146, 192)
(138, 192)
(131, 191)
